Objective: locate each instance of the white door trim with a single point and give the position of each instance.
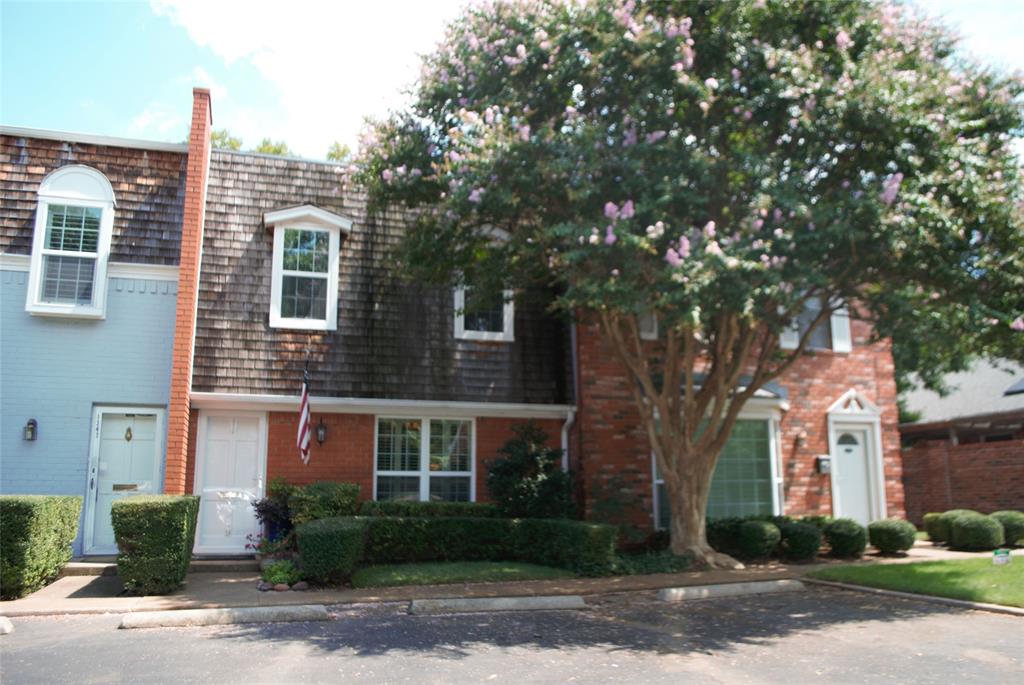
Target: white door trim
(871, 426)
(91, 475)
(197, 486)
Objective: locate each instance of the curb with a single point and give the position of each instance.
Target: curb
(466, 605)
(678, 594)
(211, 617)
(961, 603)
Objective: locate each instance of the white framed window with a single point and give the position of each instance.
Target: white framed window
(304, 275)
(648, 325)
(745, 482)
(71, 244)
(484, 317)
(425, 460)
(832, 333)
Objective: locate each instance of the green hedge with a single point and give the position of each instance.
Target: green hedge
(1013, 525)
(585, 548)
(430, 509)
(323, 499)
(976, 532)
(892, 535)
(933, 527)
(155, 535)
(846, 537)
(943, 526)
(36, 532)
(800, 541)
(331, 548)
(758, 539)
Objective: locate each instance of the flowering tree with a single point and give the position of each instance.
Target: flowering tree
(717, 164)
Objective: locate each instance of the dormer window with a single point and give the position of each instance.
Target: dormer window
(304, 285)
(71, 244)
(484, 316)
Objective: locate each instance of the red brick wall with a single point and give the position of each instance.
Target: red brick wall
(493, 433)
(985, 476)
(614, 454)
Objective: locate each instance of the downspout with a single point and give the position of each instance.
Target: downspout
(570, 417)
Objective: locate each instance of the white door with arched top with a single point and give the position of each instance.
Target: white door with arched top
(853, 475)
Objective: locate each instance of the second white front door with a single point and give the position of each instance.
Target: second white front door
(853, 476)
(230, 466)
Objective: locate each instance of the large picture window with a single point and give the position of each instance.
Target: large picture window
(424, 460)
(743, 482)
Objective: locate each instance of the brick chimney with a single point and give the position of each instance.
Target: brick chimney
(197, 171)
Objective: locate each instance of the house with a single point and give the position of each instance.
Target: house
(414, 388)
(89, 238)
(966, 448)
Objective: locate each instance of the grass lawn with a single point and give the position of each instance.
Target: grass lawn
(977, 580)
(441, 572)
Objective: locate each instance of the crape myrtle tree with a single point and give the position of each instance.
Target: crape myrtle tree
(720, 165)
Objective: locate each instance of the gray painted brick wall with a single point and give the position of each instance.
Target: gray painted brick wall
(56, 369)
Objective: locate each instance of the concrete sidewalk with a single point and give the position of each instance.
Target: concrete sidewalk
(100, 594)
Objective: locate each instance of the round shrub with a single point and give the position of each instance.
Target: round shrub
(800, 541)
(820, 522)
(944, 524)
(932, 526)
(977, 532)
(1013, 526)
(757, 539)
(892, 535)
(281, 572)
(846, 537)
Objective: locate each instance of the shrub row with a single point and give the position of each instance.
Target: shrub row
(968, 530)
(155, 535)
(330, 549)
(758, 537)
(892, 535)
(36, 533)
(846, 538)
(430, 509)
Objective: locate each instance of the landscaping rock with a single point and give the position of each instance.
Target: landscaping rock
(282, 587)
(264, 586)
(301, 586)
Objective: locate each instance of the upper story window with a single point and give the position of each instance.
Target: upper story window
(831, 333)
(482, 316)
(304, 278)
(71, 244)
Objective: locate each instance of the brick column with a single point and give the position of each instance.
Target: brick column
(188, 291)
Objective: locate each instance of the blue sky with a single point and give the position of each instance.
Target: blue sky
(303, 72)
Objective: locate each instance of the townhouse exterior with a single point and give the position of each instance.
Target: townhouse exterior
(279, 268)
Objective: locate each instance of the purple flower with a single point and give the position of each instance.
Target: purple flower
(476, 195)
(1018, 324)
(655, 136)
(629, 138)
(627, 210)
(386, 175)
(524, 132)
(684, 247)
(843, 40)
(611, 210)
(891, 188)
(735, 74)
(709, 229)
(758, 224)
(777, 215)
(672, 257)
(609, 236)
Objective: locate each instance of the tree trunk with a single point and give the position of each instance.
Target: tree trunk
(688, 519)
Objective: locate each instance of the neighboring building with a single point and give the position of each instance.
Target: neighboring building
(966, 449)
(415, 387)
(89, 236)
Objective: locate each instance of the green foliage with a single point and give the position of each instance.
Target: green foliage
(447, 572)
(155, 535)
(819, 522)
(323, 499)
(272, 511)
(758, 539)
(339, 152)
(36, 532)
(934, 528)
(221, 139)
(528, 481)
(724, 534)
(800, 541)
(846, 538)
(585, 548)
(331, 548)
(651, 562)
(1013, 525)
(430, 509)
(279, 572)
(976, 532)
(944, 525)
(272, 147)
(892, 535)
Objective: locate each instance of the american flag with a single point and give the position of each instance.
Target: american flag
(302, 437)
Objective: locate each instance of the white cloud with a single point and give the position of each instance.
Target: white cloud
(201, 78)
(157, 121)
(329, 64)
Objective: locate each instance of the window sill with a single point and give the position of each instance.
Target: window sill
(66, 311)
(480, 336)
(302, 324)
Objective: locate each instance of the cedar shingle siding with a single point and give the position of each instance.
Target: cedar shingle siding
(394, 338)
(149, 187)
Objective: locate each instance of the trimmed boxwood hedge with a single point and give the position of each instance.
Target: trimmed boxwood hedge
(323, 499)
(1013, 525)
(933, 527)
(846, 537)
(944, 524)
(892, 535)
(976, 532)
(331, 548)
(585, 548)
(758, 539)
(800, 541)
(155, 535)
(430, 509)
(36, 533)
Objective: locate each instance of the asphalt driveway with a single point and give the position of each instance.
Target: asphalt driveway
(820, 635)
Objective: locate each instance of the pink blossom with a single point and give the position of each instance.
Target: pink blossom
(684, 247)
(524, 132)
(843, 40)
(672, 257)
(709, 229)
(609, 236)
(611, 210)
(704, 107)
(655, 136)
(777, 214)
(758, 224)
(891, 188)
(748, 115)
(521, 51)
(627, 210)
(386, 175)
(735, 74)
(415, 172)
(629, 138)
(711, 83)
(713, 248)
(777, 232)
(1018, 324)
(476, 195)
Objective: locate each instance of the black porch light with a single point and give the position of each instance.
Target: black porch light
(321, 431)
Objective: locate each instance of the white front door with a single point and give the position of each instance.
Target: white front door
(230, 463)
(124, 461)
(853, 475)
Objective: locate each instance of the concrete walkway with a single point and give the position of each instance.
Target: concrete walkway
(99, 594)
